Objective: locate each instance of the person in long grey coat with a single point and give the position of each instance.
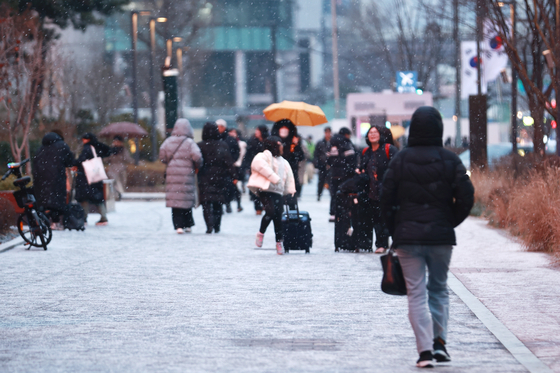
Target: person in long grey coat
(183, 158)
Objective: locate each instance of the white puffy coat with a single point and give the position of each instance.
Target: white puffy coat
(271, 174)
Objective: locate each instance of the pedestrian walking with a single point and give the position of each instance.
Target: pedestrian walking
(237, 166)
(272, 178)
(117, 165)
(342, 161)
(214, 177)
(254, 146)
(233, 147)
(374, 163)
(49, 176)
(302, 165)
(292, 151)
(183, 158)
(426, 193)
(87, 194)
(320, 157)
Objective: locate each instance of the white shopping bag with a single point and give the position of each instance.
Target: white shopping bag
(94, 169)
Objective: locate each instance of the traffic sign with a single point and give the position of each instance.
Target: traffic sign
(407, 81)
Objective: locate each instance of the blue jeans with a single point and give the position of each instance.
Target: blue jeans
(428, 311)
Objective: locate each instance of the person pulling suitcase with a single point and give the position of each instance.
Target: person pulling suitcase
(271, 179)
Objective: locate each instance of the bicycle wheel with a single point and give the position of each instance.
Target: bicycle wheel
(35, 233)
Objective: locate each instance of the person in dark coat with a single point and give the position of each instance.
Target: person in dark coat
(426, 193)
(255, 146)
(49, 175)
(292, 150)
(234, 151)
(342, 161)
(215, 176)
(86, 193)
(374, 163)
(320, 157)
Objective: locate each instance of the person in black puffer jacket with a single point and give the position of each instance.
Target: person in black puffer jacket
(86, 193)
(426, 193)
(292, 151)
(49, 175)
(342, 160)
(374, 162)
(214, 177)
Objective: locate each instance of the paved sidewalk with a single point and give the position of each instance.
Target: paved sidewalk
(136, 297)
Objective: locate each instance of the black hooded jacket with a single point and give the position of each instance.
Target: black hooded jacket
(254, 147)
(49, 171)
(293, 153)
(217, 168)
(342, 158)
(426, 191)
(85, 192)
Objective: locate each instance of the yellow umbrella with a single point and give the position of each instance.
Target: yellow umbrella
(397, 131)
(300, 113)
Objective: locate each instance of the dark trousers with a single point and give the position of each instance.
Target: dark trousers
(372, 221)
(323, 178)
(256, 201)
(273, 204)
(212, 212)
(55, 213)
(182, 218)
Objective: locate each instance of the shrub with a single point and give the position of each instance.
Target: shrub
(524, 201)
(146, 174)
(8, 215)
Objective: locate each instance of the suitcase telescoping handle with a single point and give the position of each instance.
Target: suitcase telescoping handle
(287, 204)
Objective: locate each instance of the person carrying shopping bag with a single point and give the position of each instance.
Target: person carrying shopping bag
(271, 179)
(425, 194)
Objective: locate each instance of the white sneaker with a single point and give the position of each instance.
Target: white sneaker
(259, 240)
(279, 248)
(188, 230)
(180, 231)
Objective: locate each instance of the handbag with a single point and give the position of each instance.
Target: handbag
(94, 169)
(393, 282)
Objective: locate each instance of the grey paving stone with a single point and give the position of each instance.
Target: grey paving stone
(136, 297)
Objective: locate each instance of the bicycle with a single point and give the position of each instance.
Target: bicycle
(33, 225)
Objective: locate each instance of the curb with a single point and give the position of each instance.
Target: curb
(10, 244)
(519, 351)
(132, 196)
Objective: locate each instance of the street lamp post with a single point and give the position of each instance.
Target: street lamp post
(513, 111)
(134, 41)
(336, 87)
(153, 94)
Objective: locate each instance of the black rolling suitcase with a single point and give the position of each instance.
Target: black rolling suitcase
(74, 216)
(297, 230)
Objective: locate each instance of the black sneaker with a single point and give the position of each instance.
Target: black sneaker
(440, 353)
(426, 360)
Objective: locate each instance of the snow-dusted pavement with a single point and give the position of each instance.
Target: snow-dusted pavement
(136, 297)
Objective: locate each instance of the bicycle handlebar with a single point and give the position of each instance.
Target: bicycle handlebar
(17, 165)
(12, 166)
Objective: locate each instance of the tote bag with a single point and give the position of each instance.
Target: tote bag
(94, 169)
(393, 282)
